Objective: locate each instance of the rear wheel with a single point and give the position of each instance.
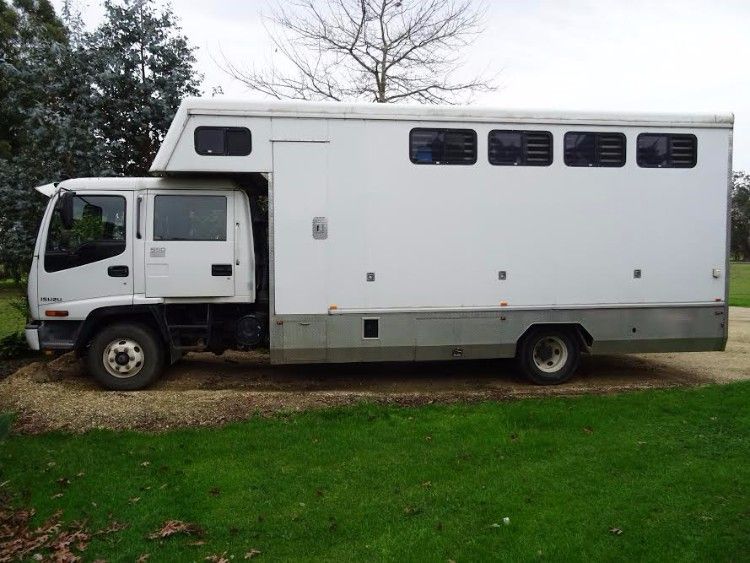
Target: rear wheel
(125, 357)
(549, 356)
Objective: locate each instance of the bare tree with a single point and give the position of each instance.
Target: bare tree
(378, 50)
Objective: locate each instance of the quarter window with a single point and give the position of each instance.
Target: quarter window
(223, 141)
(97, 232)
(190, 217)
(594, 149)
(443, 146)
(520, 148)
(657, 150)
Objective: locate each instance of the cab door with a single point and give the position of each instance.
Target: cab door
(87, 264)
(189, 246)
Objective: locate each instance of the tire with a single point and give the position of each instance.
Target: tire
(549, 356)
(125, 357)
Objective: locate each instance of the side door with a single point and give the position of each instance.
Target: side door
(189, 246)
(89, 263)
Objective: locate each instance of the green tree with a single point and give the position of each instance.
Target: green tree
(77, 104)
(740, 215)
(143, 66)
(44, 133)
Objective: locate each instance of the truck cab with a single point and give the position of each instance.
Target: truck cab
(132, 272)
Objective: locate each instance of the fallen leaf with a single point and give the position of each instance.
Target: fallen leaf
(143, 558)
(173, 527)
(133, 500)
(111, 528)
(58, 495)
(588, 430)
(427, 484)
(218, 558)
(196, 543)
(146, 463)
(252, 553)
(80, 474)
(615, 531)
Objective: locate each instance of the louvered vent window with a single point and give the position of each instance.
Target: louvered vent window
(594, 149)
(520, 148)
(443, 146)
(662, 150)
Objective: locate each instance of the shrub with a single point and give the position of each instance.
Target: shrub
(13, 346)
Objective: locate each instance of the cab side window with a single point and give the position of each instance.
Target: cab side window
(190, 217)
(97, 232)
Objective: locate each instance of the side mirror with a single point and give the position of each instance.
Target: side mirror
(66, 209)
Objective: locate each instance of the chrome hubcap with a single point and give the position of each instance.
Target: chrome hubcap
(123, 358)
(550, 354)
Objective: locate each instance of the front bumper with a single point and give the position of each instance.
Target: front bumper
(52, 335)
(32, 336)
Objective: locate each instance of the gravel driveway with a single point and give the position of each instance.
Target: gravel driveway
(203, 389)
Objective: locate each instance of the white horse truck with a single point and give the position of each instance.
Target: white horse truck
(364, 233)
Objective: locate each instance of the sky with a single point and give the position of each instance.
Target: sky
(609, 55)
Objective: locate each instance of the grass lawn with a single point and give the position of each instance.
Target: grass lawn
(739, 284)
(11, 319)
(668, 468)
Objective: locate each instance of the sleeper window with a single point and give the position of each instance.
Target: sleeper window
(443, 146)
(223, 141)
(190, 217)
(594, 149)
(657, 150)
(520, 148)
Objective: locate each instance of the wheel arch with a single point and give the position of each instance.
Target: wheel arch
(148, 315)
(577, 330)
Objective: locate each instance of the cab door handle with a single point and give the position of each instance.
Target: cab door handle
(221, 270)
(118, 271)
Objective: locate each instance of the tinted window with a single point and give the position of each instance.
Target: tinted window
(223, 141)
(520, 148)
(443, 146)
(667, 151)
(97, 233)
(594, 149)
(190, 217)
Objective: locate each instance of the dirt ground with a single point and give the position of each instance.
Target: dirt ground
(203, 389)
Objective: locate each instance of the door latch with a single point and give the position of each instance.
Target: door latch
(320, 228)
(118, 271)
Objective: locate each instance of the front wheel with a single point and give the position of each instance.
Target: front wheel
(549, 356)
(125, 357)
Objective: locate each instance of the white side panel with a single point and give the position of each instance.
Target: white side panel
(300, 263)
(183, 157)
(437, 236)
(299, 129)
